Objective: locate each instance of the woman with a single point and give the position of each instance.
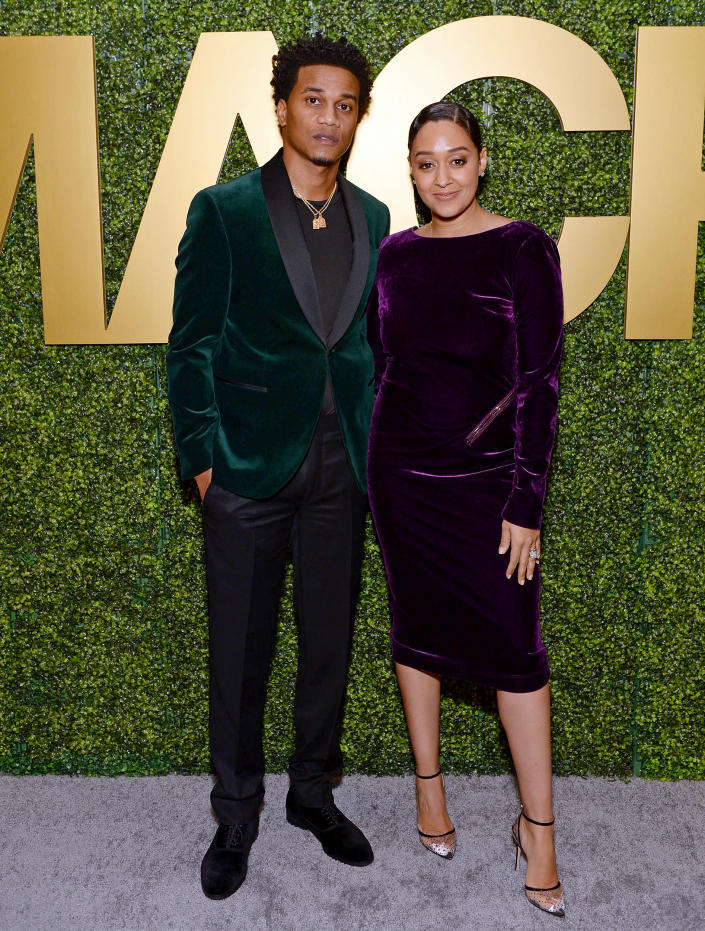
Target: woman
(467, 335)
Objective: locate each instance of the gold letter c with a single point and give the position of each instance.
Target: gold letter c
(572, 75)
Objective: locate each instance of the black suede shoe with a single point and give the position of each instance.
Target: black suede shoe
(224, 866)
(339, 837)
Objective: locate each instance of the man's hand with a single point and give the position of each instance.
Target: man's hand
(203, 480)
(522, 541)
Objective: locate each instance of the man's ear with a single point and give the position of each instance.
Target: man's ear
(281, 113)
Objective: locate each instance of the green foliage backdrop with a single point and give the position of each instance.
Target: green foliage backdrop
(103, 625)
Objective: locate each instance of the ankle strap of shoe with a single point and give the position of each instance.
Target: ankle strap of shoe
(542, 824)
(429, 777)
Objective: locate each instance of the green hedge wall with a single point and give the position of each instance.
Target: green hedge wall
(103, 623)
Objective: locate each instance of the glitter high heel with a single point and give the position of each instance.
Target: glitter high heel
(541, 898)
(441, 844)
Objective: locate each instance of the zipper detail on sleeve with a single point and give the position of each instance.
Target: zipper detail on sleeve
(489, 418)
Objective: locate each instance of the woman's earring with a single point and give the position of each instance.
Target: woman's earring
(482, 174)
(413, 180)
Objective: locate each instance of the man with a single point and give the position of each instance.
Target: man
(270, 383)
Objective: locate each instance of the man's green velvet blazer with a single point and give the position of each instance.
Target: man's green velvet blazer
(247, 360)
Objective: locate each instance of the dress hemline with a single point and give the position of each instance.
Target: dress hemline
(453, 669)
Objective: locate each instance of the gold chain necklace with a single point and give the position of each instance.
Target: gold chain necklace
(319, 221)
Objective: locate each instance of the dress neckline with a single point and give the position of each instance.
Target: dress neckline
(492, 229)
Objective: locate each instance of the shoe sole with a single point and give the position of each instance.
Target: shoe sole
(300, 823)
(224, 895)
(219, 898)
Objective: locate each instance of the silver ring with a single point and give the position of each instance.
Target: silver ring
(534, 553)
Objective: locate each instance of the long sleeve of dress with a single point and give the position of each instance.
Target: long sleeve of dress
(374, 337)
(201, 299)
(538, 314)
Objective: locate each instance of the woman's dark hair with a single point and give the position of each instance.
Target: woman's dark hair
(455, 113)
(320, 50)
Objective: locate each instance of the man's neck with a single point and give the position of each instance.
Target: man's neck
(314, 182)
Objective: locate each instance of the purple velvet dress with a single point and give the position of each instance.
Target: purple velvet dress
(467, 334)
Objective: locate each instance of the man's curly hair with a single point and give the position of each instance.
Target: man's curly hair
(320, 50)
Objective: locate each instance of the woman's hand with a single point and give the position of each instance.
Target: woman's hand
(522, 541)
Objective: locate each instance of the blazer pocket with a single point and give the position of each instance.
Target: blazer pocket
(488, 419)
(241, 384)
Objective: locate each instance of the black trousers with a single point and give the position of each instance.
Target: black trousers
(320, 513)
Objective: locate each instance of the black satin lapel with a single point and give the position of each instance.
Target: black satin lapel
(360, 261)
(284, 218)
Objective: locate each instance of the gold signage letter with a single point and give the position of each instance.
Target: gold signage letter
(47, 94)
(668, 184)
(573, 76)
(47, 91)
(229, 74)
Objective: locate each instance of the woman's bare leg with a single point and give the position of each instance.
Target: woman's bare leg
(421, 695)
(526, 717)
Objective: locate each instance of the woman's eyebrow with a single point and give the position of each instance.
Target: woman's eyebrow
(457, 148)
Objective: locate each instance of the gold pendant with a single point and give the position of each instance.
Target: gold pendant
(319, 223)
